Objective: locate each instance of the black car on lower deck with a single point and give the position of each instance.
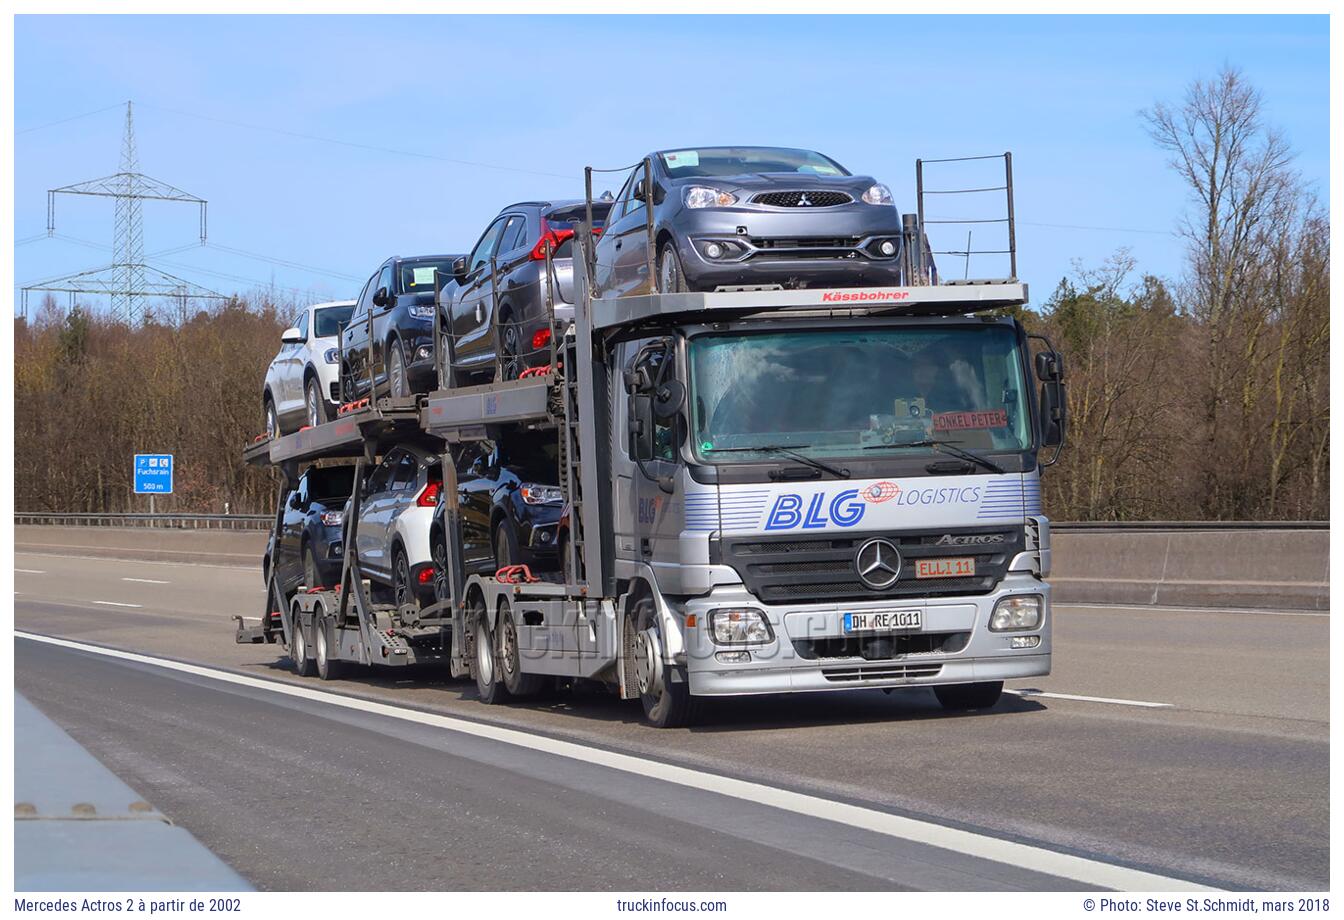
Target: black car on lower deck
(508, 502)
(310, 551)
(387, 348)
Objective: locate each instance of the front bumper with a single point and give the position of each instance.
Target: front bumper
(797, 659)
(834, 247)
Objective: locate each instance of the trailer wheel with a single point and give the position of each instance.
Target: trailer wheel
(667, 704)
(298, 646)
(510, 658)
(485, 664)
(328, 668)
(960, 697)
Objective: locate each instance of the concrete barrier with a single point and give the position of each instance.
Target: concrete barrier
(1264, 569)
(1275, 569)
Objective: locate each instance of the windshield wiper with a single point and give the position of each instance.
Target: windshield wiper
(947, 447)
(838, 472)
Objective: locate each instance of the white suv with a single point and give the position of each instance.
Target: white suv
(395, 515)
(301, 383)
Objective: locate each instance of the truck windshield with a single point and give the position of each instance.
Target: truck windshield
(856, 392)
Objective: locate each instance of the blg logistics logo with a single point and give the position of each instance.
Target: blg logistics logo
(792, 510)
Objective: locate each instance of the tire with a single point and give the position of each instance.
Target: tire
(447, 375)
(299, 651)
(962, 697)
(403, 589)
(484, 665)
(328, 668)
(398, 384)
(666, 704)
(510, 347)
(272, 420)
(311, 576)
(509, 658)
(314, 406)
(506, 546)
(671, 278)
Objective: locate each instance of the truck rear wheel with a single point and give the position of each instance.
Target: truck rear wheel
(667, 703)
(328, 668)
(298, 646)
(960, 697)
(484, 662)
(510, 658)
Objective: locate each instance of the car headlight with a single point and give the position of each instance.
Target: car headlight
(739, 626)
(1019, 612)
(333, 518)
(332, 355)
(421, 310)
(535, 494)
(699, 196)
(878, 194)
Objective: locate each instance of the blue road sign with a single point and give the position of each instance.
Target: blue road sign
(154, 474)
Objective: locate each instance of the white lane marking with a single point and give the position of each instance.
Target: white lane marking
(1037, 859)
(31, 571)
(1227, 611)
(115, 604)
(32, 551)
(1090, 699)
(148, 581)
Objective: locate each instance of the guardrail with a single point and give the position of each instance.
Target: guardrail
(161, 521)
(264, 521)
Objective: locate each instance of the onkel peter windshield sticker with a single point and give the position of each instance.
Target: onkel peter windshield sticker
(960, 421)
(681, 158)
(422, 275)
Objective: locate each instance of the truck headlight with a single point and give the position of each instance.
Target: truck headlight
(739, 626)
(332, 355)
(699, 196)
(878, 194)
(1018, 612)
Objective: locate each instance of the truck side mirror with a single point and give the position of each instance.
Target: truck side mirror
(668, 399)
(641, 427)
(1049, 366)
(1054, 414)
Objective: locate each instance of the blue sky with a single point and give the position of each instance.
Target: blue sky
(541, 97)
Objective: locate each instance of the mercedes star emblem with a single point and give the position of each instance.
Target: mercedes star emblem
(878, 563)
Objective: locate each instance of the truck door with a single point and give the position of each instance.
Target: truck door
(658, 520)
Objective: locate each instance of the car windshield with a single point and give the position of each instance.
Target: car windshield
(327, 322)
(332, 482)
(418, 277)
(857, 393)
(708, 162)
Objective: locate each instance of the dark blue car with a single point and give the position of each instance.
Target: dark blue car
(509, 504)
(310, 550)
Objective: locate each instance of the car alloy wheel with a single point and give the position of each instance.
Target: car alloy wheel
(509, 362)
(312, 402)
(398, 371)
(401, 582)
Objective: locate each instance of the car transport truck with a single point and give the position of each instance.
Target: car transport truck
(769, 491)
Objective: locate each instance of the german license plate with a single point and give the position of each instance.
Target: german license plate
(883, 621)
(945, 568)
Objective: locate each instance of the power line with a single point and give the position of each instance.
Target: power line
(1027, 223)
(61, 121)
(285, 262)
(359, 146)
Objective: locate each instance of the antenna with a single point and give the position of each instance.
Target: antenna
(128, 280)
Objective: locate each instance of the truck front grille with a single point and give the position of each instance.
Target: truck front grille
(860, 672)
(787, 569)
(882, 646)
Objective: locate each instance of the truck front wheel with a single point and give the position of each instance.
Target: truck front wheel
(961, 697)
(667, 704)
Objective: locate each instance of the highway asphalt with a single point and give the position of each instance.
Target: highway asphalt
(1190, 744)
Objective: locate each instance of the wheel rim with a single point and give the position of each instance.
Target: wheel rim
(312, 404)
(440, 572)
(508, 644)
(321, 650)
(300, 646)
(398, 372)
(667, 276)
(648, 663)
(509, 348)
(403, 585)
(485, 658)
(271, 421)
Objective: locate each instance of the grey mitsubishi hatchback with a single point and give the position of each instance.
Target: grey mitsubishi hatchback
(504, 313)
(736, 216)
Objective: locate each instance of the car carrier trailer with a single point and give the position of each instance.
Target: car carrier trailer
(701, 562)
